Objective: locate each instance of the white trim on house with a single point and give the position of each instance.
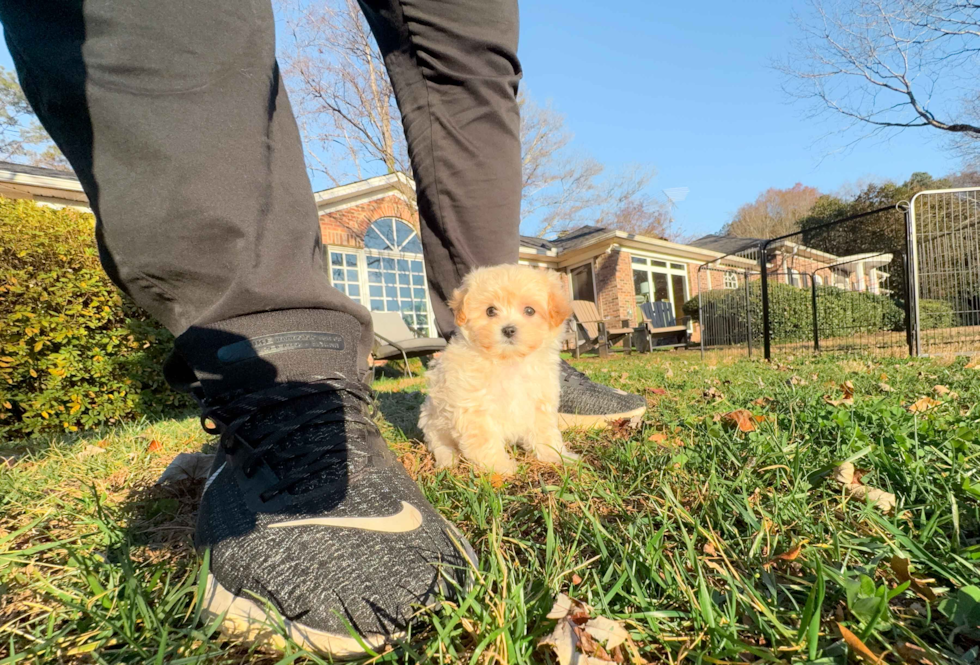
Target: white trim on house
(57, 189)
(362, 191)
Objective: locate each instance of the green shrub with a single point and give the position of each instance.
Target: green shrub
(936, 314)
(840, 313)
(74, 353)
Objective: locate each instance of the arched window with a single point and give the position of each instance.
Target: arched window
(818, 280)
(394, 235)
(395, 272)
(731, 280)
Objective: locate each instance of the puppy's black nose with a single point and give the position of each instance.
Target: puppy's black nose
(509, 331)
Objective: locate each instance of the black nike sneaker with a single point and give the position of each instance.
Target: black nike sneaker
(314, 528)
(587, 404)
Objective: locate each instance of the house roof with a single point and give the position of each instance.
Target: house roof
(726, 244)
(328, 200)
(20, 181)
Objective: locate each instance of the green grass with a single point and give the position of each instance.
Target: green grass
(673, 529)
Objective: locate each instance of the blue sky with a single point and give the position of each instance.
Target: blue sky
(688, 88)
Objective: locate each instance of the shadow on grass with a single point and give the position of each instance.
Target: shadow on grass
(401, 410)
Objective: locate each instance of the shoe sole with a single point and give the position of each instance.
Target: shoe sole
(247, 621)
(568, 421)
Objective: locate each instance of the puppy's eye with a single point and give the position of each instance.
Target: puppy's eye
(491, 312)
(529, 311)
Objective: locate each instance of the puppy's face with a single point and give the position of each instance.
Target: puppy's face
(511, 311)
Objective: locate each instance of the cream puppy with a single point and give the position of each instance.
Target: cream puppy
(497, 381)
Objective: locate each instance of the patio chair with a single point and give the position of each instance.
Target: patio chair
(662, 329)
(393, 339)
(598, 332)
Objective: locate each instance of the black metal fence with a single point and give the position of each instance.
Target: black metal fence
(895, 280)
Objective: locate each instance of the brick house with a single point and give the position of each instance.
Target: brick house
(372, 252)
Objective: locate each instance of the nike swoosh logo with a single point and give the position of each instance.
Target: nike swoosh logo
(407, 519)
(207, 483)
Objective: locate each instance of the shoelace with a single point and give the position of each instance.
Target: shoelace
(268, 443)
(571, 375)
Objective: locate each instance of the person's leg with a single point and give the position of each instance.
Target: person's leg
(454, 70)
(176, 121)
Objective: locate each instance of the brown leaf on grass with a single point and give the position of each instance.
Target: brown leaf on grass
(913, 653)
(620, 429)
(496, 481)
(885, 388)
(838, 402)
(940, 390)
(923, 404)
(657, 391)
(669, 373)
(658, 437)
(900, 567)
(762, 401)
(709, 549)
(741, 418)
(582, 639)
(154, 446)
(795, 381)
(186, 466)
(789, 555)
(848, 389)
(857, 646)
(576, 580)
(974, 364)
(90, 450)
(845, 474)
(624, 376)
(712, 394)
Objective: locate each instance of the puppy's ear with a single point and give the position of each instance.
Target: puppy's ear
(559, 307)
(457, 303)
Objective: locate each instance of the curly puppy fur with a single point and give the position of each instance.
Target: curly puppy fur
(497, 381)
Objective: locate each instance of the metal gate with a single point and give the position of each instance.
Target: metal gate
(945, 242)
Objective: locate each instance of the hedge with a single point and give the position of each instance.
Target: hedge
(840, 312)
(74, 352)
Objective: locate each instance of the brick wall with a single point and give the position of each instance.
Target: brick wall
(614, 284)
(346, 227)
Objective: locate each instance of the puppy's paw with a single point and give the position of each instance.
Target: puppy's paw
(444, 458)
(505, 466)
(568, 457)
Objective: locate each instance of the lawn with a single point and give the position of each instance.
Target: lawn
(707, 543)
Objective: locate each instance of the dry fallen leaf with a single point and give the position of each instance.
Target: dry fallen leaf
(846, 475)
(186, 466)
(154, 446)
(741, 418)
(901, 568)
(713, 394)
(940, 390)
(657, 391)
(789, 555)
(885, 388)
(90, 450)
(796, 381)
(576, 580)
(709, 549)
(496, 481)
(913, 653)
(974, 364)
(659, 437)
(857, 646)
(624, 376)
(572, 641)
(610, 633)
(762, 401)
(923, 404)
(848, 389)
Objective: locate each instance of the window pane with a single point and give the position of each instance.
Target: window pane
(418, 294)
(418, 280)
(403, 265)
(677, 266)
(351, 260)
(413, 246)
(403, 232)
(390, 277)
(406, 306)
(386, 228)
(582, 288)
(353, 290)
(423, 320)
(679, 282)
(417, 267)
(336, 259)
(420, 306)
(660, 289)
(659, 264)
(403, 278)
(374, 276)
(376, 291)
(391, 305)
(378, 305)
(373, 239)
(351, 275)
(340, 287)
(391, 291)
(641, 285)
(338, 275)
(388, 264)
(640, 260)
(374, 262)
(405, 292)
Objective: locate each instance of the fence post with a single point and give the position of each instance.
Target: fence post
(763, 266)
(701, 310)
(816, 322)
(912, 330)
(748, 312)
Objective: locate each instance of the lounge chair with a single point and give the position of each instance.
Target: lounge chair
(663, 330)
(598, 332)
(393, 339)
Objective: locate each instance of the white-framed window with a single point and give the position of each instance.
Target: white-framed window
(731, 280)
(818, 280)
(656, 280)
(390, 273)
